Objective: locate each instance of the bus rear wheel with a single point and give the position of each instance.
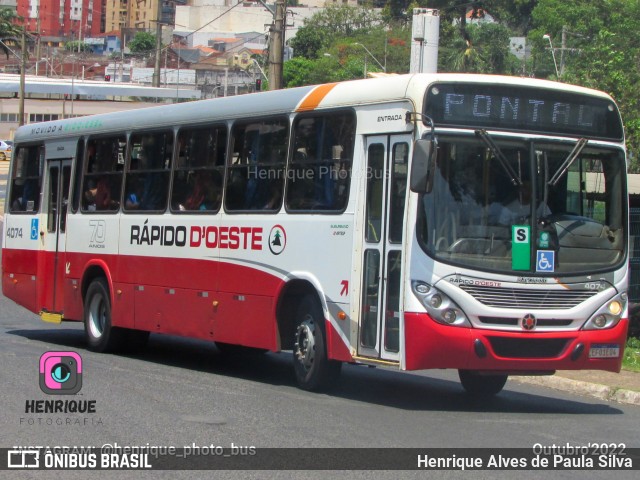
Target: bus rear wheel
(482, 385)
(101, 335)
(314, 371)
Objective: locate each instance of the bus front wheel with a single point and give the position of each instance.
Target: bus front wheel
(100, 334)
(482, 385)
(314, 371)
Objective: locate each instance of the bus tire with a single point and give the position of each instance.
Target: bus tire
(481, 385)
(101, 335)
(313, 370)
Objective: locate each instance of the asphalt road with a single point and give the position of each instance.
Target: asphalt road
(182, 392)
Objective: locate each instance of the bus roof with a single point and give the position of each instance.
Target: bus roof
(355, 92)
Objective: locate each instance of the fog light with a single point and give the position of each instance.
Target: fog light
(615, 308)
(449, 316)
(435, 301)
(600, 321)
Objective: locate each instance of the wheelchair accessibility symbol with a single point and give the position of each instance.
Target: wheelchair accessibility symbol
(545, 261)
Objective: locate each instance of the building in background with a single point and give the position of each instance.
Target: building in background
(139, 14)
(68, 19)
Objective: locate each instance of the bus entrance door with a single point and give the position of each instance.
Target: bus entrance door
(380, 320)
(51, 261)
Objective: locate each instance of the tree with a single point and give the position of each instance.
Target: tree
(308, 42)
(329, 41)
(297, 72)
(143, 43)
(76, 46)
(9, 31)
(600, 51)
(484, 50)
(319, 30)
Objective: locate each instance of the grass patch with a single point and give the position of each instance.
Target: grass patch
(631, 360)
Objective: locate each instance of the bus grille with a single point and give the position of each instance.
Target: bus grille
(529, 299)
(541, 322)
(528, 347)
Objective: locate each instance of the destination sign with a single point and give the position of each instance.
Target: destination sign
(523, 109)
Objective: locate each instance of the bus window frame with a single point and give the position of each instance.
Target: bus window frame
(319, 114)
(85, 167)
(229, 166)
(127, 170)
(11, 179)
(226, 125)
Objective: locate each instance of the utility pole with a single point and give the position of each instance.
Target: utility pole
(276, 42)
(38, 54)
(156, 67)
(564, 46)
(23, 67)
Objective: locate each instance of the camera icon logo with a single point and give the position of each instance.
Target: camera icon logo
(60, 373)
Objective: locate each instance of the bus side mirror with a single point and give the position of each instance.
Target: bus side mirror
(423, 166)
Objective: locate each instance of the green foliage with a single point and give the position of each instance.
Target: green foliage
(322, 28)
(631, 359)
(143, 43)
(309, 41)
(76, 46)
(600, 51)
(326, 48)
(9, 31)
(297, 72)
(486, 50)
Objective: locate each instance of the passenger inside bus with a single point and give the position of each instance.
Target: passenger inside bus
(315, 156)
(132, 202)
(25, 200)
(104, 200)
(520, 206)
(154, 182)
(200, 196)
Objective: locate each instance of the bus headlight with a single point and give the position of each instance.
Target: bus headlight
(608, 315)
(439, 306)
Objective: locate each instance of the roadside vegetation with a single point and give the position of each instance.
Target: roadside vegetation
(631, 360)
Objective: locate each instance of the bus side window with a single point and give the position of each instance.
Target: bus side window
(197, 180)
(149, 168)
(255, 176)
(27, 179)
(320, 166)
(102, 182)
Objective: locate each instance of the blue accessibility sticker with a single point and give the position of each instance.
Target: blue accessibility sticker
(34, 229)
(545, 261)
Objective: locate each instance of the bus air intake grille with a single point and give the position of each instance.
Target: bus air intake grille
(541, 322)
(527, 347)
(530, 299)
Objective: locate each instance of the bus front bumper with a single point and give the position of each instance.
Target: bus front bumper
(429, 344)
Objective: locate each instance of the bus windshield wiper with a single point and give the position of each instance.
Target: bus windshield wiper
(568, 161)
(488, 141)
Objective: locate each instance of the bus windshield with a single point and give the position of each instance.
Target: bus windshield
(569, 194)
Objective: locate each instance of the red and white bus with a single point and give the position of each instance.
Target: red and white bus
(416, 221)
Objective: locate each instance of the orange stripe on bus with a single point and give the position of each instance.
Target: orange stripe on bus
(312, 100)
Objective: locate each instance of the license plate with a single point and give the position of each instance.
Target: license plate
(604, 350)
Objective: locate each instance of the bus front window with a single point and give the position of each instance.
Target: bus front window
(477, 197)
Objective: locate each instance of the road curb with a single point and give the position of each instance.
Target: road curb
(603, 392)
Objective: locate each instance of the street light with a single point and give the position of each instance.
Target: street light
(384, 69)
(547, 37)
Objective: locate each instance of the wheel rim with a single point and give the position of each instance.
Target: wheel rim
(305, 344)
(97, 316)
